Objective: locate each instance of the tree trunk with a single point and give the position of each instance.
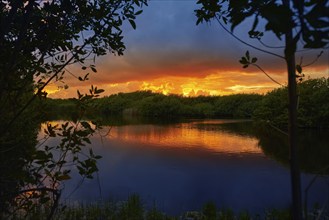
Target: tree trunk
(292, 97)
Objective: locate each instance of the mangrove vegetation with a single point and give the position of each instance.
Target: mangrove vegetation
(269, 108)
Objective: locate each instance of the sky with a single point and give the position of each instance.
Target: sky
(170, 54)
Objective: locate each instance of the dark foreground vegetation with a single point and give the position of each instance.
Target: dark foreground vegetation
(133, 209)
(313, 108)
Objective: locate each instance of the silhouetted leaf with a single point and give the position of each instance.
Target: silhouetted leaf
(247, 55)
(98, 91)
(243, 60)
(87, 140)
(138, 12)
(63, 177)
(93, 69)
(132, 22)
(299, 68)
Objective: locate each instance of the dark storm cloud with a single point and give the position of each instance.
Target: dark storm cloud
(167, 43)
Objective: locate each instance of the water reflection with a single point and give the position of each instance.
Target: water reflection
(183, 165)
(313, 149)
(188, 135)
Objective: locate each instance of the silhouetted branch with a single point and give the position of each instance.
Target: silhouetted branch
(250, 45)
(268, 46)
(316, 59)
(266, 74)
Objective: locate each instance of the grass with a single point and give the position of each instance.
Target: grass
(133, 209)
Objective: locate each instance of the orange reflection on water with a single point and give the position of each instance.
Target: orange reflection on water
(188, 136)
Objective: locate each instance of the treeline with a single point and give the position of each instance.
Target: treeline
(313, 108)
(147, 103)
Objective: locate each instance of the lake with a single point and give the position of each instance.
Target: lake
(182, 165)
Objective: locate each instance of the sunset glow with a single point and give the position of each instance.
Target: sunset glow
(221, 83)
(52, 90)
(176, 137)
(178, 57)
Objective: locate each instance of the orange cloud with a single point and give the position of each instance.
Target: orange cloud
(217, 83)
(168, 53)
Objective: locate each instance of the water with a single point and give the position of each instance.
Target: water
(180, 166)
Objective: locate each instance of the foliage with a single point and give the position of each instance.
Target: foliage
(39, 40)
(48, 166)
(150, 104)
(209, 211)
(116, 210)
(312, 154)
(238, 106)
(311, 93)
(309, 21)
(309, 18)
(273, 107)
(132, 209)
(124, 210)
(160, 105)
(300, 23)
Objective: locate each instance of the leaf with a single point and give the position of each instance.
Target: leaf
(50, 166)
(139, 12)
(137, 2)
(254, 25)
(254, 60)
(63, 177)
(93, 69)
(83, 67)
(85, 124)
(98, 91)
(132, 22)
(74, 117)
(87, 140)
(43, 200)
(224, 20)
(41, 69)
(86, 77)
(198, 21)
(247, 55)
(243, 60)
(299, 68)
(278, 18)
(79, 94)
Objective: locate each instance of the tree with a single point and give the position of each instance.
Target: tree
(273, 106)
(299, 22)
(39, 40)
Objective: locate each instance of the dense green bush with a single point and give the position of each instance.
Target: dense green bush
(313, 108)
(147, 103)
(313, 105)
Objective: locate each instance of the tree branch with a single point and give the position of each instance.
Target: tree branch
(261, 69)
(250, 45)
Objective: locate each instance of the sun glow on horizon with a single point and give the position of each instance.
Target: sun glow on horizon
(216, 84)
(52, 89)
(211, 85)
(175, 136)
